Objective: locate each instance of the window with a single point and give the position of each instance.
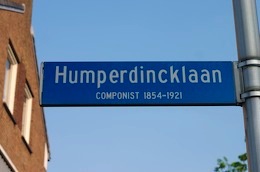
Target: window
(6, 164)
(11, 66)
(7, 73)
(27, 113)
(12, 6)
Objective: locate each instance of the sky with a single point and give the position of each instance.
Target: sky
(139, 139)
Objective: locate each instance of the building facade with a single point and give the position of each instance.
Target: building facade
(23, 136)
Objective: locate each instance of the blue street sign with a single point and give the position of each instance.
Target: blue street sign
(137, 84)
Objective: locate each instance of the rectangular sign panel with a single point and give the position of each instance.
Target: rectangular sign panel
(137, 84)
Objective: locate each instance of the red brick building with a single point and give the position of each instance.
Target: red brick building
(23, 137)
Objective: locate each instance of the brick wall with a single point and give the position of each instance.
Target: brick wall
(15, 31)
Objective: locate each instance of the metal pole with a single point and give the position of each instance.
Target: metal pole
(248, 46)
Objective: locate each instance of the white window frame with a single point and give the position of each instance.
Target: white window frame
(27, 113)
(10, 79)
(46, 156)
(6, 158)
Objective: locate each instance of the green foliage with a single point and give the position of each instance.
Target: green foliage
(237, 166)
